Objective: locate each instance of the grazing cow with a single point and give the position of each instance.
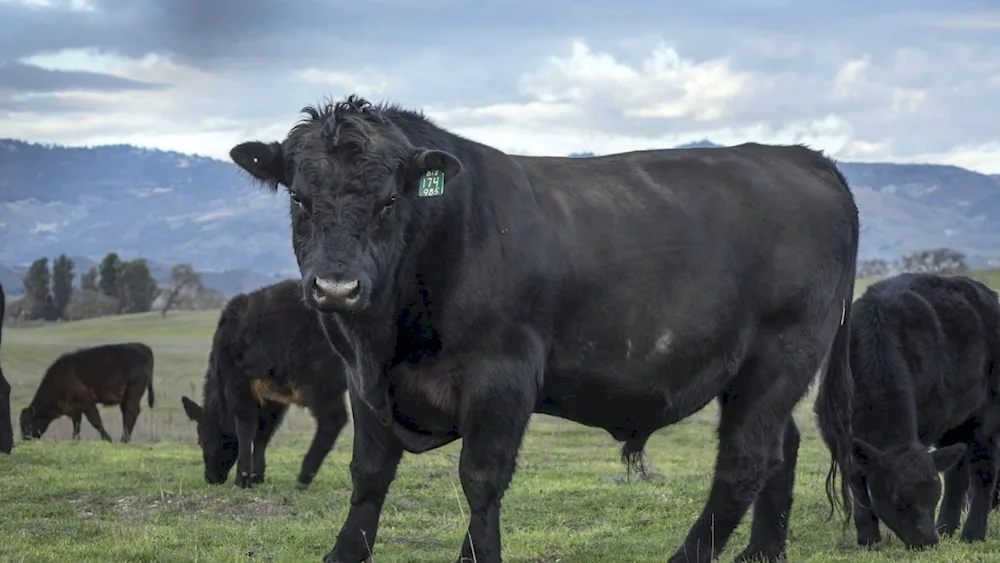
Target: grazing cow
(6, 431)
(110, 374)
(468, 288)
(922, 352)
(268, 352)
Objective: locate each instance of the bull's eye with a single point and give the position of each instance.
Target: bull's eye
(388, 204)
(296, 200)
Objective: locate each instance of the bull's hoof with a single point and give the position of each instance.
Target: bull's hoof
(871, 545)
(300, 486)
(245, 481)
(329, 558)
(761, 556)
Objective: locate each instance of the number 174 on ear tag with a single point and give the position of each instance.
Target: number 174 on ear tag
(431, 184)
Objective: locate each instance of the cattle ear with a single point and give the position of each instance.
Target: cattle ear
(427, 160)
(865, 453)
(945, 458)
(192, 409)
(264, 162)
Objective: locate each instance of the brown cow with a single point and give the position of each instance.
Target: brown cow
(6, 432)
(111, 374)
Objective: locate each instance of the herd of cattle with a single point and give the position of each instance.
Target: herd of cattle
(452, 290)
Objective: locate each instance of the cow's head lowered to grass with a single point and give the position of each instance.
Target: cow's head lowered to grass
(219, 448)
(358, 186)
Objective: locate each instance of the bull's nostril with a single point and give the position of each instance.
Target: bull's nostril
(356, 291)
(333, 289)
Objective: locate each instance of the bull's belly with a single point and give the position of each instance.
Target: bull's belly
(626, 403)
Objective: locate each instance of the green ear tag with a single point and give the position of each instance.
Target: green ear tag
(431, 184)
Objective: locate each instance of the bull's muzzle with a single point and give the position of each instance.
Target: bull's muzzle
(330, 293)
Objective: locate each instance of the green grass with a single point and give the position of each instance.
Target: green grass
(569, 502)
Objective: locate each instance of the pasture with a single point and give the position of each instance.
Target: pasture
(570, 501)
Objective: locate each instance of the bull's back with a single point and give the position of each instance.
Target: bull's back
(109, 370)
(673, 237)
(944, 331)
(700, 209)
(750, 181)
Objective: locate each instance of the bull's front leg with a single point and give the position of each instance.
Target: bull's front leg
(498, 396)
(865, 522)
(956, 488)
(375, 458)
(246, 420)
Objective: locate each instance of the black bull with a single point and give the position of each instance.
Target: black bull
(6, 429)
(623, 292)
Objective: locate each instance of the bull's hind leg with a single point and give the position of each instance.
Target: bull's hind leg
(329, 423)
(755, 408)
(94, 417)
(983, 466)
(130, 412)
(772, 509)
(77, 418)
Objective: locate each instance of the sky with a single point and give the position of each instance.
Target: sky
(914, 81)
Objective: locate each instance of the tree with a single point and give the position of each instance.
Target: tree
(36, 284)
(109, 269)
(136, 285)
(184, 277)
(88, 281)
(89, 304)
(943, 261)
(62, 284)
(873, 267)
(204, 298)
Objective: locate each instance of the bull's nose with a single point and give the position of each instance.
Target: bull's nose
(927, 542)
(336, 293)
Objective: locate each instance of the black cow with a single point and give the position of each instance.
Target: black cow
(922, 352)
(469, 288)
(110, 374)
(268, 352)
(6, 430)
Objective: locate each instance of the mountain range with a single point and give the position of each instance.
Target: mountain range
(170, 208)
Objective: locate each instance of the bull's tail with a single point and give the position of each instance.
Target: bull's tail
(833, 405)
(150, 396)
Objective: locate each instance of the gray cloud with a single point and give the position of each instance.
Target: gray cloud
(463, 55)
(21, 77)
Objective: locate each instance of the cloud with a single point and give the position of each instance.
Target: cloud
(20, 77)
(860, 80)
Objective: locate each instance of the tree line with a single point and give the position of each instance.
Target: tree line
(945, 261)
(113, 287)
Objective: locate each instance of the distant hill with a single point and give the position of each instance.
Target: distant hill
(170, 207)
(162, 205)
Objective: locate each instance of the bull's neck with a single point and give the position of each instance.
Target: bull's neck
(886, 417)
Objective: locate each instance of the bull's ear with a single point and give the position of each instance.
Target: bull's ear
(264, 161)
(192, 409)
(423, 161)
(945, 458)
(864, 453)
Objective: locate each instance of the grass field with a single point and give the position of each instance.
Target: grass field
(569, 502)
